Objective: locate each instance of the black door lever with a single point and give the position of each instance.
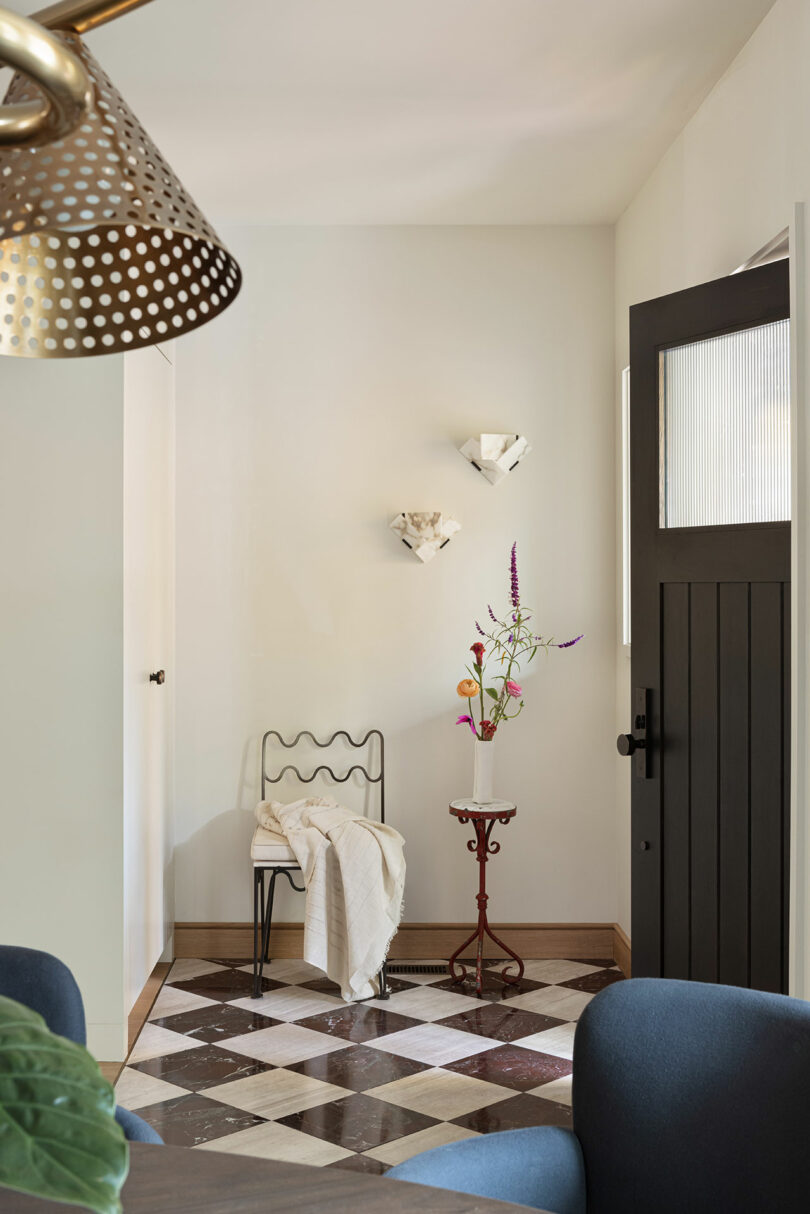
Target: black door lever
(635, 744)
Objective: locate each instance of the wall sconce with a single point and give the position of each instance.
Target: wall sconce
(494, 455)
(425, 532)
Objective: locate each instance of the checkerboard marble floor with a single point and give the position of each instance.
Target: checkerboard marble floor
(301, 1076)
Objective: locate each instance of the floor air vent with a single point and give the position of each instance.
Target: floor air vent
(396, 967)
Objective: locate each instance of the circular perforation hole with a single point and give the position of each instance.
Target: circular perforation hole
(120, 277)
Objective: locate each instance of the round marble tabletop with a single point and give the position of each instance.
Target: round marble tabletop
(467, 808)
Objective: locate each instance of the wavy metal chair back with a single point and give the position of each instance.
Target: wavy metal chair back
(355, 744)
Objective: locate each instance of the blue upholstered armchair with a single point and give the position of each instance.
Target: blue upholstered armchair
(687, 1098)
(43, 983)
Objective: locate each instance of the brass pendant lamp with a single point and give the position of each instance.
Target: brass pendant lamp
(102, 250)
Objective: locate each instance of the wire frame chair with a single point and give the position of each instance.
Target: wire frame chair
(264, 885)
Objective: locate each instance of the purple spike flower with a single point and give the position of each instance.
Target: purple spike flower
(480, 629)
(568, 644)
(515, 588)
(492, 615)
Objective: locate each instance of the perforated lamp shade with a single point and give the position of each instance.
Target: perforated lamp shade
(101, 248)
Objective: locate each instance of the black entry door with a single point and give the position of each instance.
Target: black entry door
(710, 553)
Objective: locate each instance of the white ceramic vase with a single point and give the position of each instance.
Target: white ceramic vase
(482, 777)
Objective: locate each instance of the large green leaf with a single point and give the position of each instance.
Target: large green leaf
(58, 1135)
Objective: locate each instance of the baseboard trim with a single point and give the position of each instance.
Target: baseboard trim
(146, 1001)
(414, 941)
(622, 952)
(138, 1016)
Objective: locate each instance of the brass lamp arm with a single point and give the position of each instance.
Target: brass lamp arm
(29, 48)
(80, 16)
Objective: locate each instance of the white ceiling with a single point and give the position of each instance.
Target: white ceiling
(418, 111)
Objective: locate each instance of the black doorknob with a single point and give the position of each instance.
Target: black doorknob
(626, 744)
(158, 677)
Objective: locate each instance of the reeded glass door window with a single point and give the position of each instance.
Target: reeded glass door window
(725, 429)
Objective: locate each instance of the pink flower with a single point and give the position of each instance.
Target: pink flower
(513, 689)
(466, 720)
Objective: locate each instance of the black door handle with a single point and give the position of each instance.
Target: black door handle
(158, 677)
(635, 744)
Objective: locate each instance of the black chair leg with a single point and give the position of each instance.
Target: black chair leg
(258, 927)
(268, 916)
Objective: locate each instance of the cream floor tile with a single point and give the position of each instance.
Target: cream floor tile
(134, 1089)
(434, 1044)
(558, 1041)
(412, 1144)
(427, 1003)
(186, 968)
(154, 1041)
(558, 1090)
(284, 1044)
(273, 1141)
(557, 971)
(275, 1094)
(440, 1094)
(287, 969)
(558, 1001)
(172, 1000)
(289, 1003)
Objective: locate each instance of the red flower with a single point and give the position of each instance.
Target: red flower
(488, 731)
(478, 650)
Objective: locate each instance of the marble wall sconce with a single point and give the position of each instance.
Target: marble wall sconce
(494, 455)
(425, 532)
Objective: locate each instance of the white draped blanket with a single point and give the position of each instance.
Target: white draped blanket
(354, 872)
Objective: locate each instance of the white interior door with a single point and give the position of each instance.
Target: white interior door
(148, 648)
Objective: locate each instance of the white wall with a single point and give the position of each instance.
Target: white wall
(725, 187)
(61, 623)
(148, 647)
(329, 397)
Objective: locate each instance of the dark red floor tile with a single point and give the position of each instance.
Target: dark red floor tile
(360, 1163)
(186, 1121)
(325, 986)
(216, 1023)
(513, 1066)
(492, 987)
(202, 1067)
(358, 1022)
(224, 985)
(516, 1113)
(229, 962)
(500, 1022)
(591, 983)
(358, 1122)
(358, 1068)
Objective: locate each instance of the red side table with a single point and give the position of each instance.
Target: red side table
(483, 818)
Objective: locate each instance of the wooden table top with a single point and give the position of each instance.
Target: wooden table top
(181, 1181)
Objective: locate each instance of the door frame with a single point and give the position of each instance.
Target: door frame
(799, 927)
(720, 306)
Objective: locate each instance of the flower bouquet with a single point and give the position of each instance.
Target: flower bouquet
(512, 644)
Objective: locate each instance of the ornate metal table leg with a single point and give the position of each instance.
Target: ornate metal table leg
(483, 847)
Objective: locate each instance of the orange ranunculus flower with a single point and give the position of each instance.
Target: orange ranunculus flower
(468, 688)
